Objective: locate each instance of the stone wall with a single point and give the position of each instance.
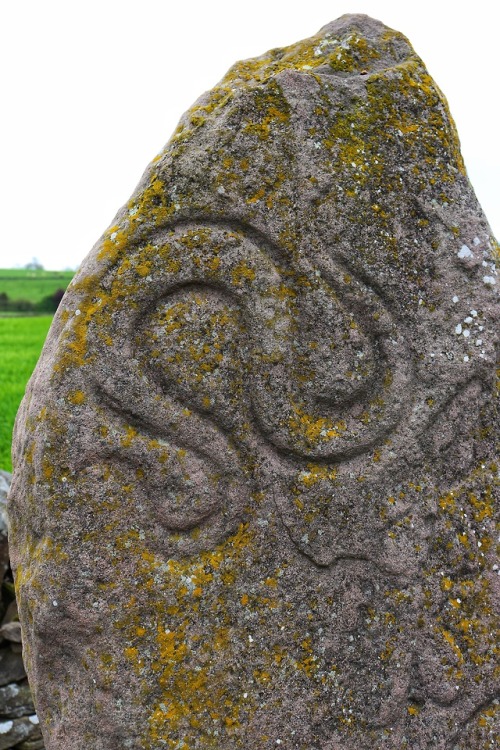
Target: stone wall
(19, 726)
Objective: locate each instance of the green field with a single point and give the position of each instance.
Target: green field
(21, 341)
(21, 283)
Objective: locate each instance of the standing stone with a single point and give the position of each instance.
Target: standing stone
(255, 467)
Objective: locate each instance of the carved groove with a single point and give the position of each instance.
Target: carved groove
(386, 352)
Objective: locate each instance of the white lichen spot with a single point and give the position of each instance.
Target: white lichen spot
(455, 299)
(33, 719)
(78, 312)
(468, 319)
(479, 342)
(476, 241)
(466, 358)
(6, 726)
(54, 603)
(465, 252)
(473, 313)
(489, 280)
(458, 329)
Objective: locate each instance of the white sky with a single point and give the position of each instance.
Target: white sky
(92, 90)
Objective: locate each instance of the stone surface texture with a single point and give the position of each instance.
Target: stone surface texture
(255, 467)
(19, 725)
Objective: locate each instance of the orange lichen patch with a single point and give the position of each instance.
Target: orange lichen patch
(130, 434)
(316, 473)
(314, 429)
(451, 641)
(271, 582)
(308, 663)
(39, 554)
(73, 347)
(269, 117)
(151, 205)
(172, 647)
(486, 717)
(261, 192)
(196, 239)
(77, 397)
(144, 268)
(242, 271)
(193, 697)
(448, 503)
(47, 468)
(483, 506)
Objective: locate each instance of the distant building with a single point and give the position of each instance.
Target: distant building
(34, 265)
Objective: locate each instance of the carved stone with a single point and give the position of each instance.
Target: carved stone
(255, 467)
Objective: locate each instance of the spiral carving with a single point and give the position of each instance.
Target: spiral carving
(312, 361)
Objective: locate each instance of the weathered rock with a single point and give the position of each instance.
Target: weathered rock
(11, 631)
(11, 613)
(255, 466)
(14, 732)
(32, 744)
(16, 700)
(11, 666)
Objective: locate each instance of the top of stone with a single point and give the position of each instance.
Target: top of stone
(354, 44)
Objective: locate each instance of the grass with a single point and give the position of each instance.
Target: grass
(21, 341)
(21, 283)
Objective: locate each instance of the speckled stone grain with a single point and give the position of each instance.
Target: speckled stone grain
(255, 468)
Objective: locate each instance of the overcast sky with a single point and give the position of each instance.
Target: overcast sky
(92, 90)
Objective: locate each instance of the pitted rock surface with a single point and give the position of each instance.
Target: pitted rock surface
(19, 725)
(255, 467)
